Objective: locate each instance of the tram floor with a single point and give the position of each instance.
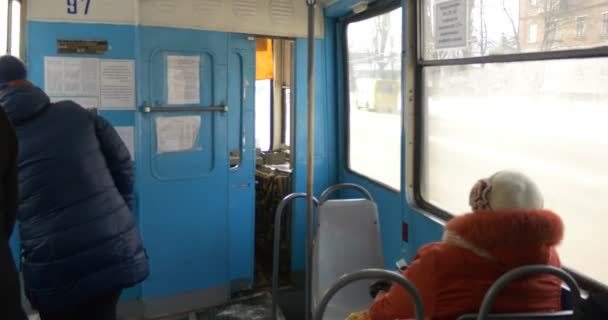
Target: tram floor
(253, 306)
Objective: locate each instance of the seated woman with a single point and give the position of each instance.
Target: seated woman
(508, 228)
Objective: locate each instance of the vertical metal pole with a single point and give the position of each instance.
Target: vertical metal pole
(310, 158)
(9, 26)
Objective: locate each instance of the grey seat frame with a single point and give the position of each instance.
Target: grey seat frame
(369, 274)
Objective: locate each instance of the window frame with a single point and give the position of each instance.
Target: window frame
(375, 9)
(417, 64)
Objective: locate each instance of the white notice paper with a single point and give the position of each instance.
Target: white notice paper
(183, 79)
(451, 24)
(117, 84)
(128, 137)
(177, 134)
(71, 76)
(85, 102)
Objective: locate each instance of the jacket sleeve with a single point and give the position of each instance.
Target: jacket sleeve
(397, 303)
(9, 180)
(117, 157)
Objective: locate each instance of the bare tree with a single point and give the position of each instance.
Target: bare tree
(382, 25)
(551, 20)
(513, 26)
(483, 29)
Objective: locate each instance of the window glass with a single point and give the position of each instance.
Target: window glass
(263, 114)
(580, 27)
(374, 121)
(544, 118)
(287, 117)
(532, 33)
(16, 29)
(3, 26)
(476, 28)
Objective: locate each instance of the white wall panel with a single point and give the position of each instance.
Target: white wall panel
(286, 18)
(99, 11)
(266, 17)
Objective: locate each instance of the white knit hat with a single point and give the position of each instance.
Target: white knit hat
(506, 190)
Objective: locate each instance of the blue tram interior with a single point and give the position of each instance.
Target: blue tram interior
(212, 99)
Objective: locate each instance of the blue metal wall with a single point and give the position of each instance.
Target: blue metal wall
(182, 236)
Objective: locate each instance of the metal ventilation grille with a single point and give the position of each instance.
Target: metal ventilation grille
(245, 8)
(165, 6)
(281, 10)
(207, 6)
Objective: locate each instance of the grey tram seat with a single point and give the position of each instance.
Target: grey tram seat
(347, 239)
(517, 273)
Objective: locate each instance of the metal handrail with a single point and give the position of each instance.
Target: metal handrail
(310, 159)
(185, 109)
(276, 243)
(520, 272)
(371, 274)
(342, 186)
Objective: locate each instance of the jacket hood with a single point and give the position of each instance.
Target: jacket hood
(512, 237)
(23, 102)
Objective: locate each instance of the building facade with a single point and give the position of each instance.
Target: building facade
(562, 24)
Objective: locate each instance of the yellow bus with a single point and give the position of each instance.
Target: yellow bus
(384, 97)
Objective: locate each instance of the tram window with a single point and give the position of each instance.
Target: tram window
(16, 28)
(10, 45)
(545, 118)
(374, 91)
(263, 114)
(503, 27)
(287, 116)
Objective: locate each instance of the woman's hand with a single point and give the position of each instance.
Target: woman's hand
(379, 287)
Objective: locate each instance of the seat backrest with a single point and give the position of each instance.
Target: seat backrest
(517, 273)
(562, 315)
(347, 240)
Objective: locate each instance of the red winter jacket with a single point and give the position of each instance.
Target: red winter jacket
(453, 276)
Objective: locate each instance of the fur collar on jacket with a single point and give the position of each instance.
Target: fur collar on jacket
(513, 238)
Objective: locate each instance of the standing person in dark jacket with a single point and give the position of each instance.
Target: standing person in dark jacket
(10, 290)
(80, 245)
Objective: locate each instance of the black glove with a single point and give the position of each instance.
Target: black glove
(378, 286)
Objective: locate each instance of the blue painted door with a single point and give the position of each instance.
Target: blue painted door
(183, 196)
(241, 142)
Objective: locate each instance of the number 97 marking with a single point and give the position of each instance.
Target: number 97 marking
(73, 6)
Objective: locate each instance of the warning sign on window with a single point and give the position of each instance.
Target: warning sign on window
(451, 24)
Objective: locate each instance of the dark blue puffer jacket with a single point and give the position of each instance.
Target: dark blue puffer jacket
(75, 191)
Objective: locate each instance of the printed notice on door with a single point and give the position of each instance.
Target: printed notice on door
(117, 84)
(177, 134)
(451, 24)
(183, 80)
(73, 77)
